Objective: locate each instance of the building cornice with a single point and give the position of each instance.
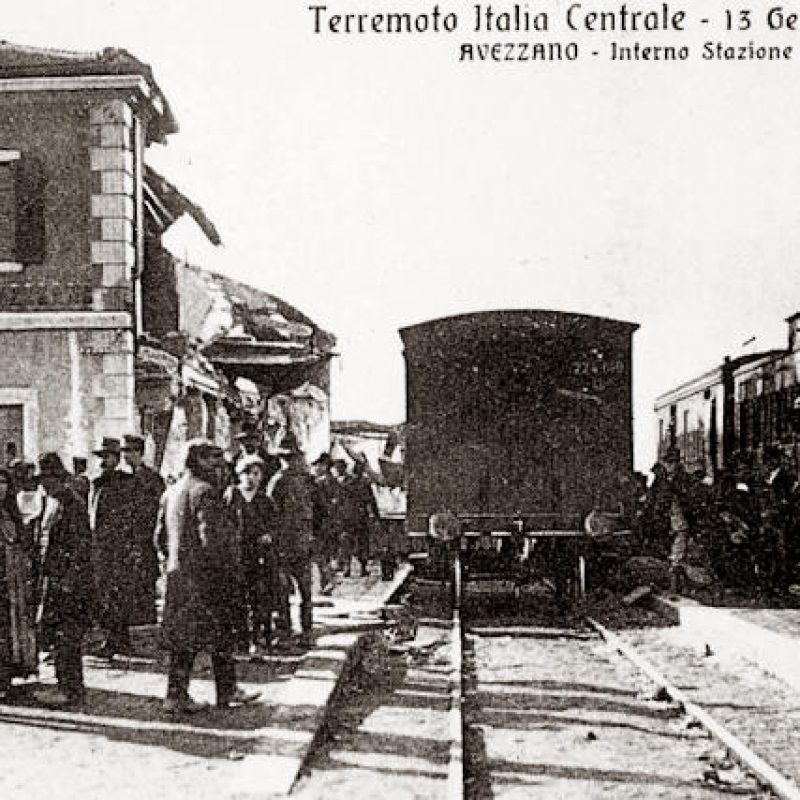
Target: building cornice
(64, 320)
(82, 83)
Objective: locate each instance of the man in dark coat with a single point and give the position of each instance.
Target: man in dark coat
(295, 495)
(680, 517)
(201, 562)
(327, 519)
(775, 551)
(67, 586)
(360, 516)
(111, 518)
(146, 490)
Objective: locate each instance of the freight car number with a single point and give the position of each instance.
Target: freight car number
(598, 367)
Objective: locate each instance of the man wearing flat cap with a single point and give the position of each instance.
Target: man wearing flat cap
(200, 551)
(146, 490)
(110, 515)
(66, 603)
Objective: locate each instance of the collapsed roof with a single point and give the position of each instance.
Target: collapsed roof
(224, 312)
(21, 61)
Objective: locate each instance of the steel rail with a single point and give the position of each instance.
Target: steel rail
(766, 774)
(455, 765)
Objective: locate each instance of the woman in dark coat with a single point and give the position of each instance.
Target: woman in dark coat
(253, 514)
(18, 654)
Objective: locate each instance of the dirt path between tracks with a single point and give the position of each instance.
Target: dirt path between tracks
(555, 714)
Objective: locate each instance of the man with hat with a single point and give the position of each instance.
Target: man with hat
(295, 495)
(680, 516)
(146, 490)
(113, 553)
(66, 596)
(327, 519)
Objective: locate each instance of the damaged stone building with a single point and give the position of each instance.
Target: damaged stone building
(102, 330)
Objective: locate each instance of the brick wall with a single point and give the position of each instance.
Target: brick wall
(84, 145)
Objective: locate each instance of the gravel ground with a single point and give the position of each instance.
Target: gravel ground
(552, 713)
(390, 735)
(122, 743)
(123, 746)
(758, 708)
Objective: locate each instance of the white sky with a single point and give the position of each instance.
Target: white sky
(378, 184)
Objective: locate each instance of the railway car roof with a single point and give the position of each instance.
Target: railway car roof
(512, 319)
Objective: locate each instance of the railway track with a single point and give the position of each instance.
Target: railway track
(489, 710)
(577, 712)
(556, 713)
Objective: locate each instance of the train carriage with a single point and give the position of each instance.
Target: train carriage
(517, 420)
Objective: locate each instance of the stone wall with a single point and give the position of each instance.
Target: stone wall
(76, 385)
(114, 166)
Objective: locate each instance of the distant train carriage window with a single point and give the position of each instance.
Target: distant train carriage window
(766, 403)
(780, 412)
(743, 425)
(673, 425)
(757, 406)
(686, 447)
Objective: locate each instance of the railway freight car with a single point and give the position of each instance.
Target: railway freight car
(518, 421)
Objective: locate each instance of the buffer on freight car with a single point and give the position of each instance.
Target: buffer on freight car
(515, 557)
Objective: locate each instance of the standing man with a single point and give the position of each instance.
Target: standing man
(326, 519)
(201, 566)
(146, 490)
(776, 551)
(66, 594)
(294, 495)
(361, 514)
(679, 518)
(111, 517)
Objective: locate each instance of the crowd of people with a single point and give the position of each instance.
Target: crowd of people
(229, 537)
(739, 532)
